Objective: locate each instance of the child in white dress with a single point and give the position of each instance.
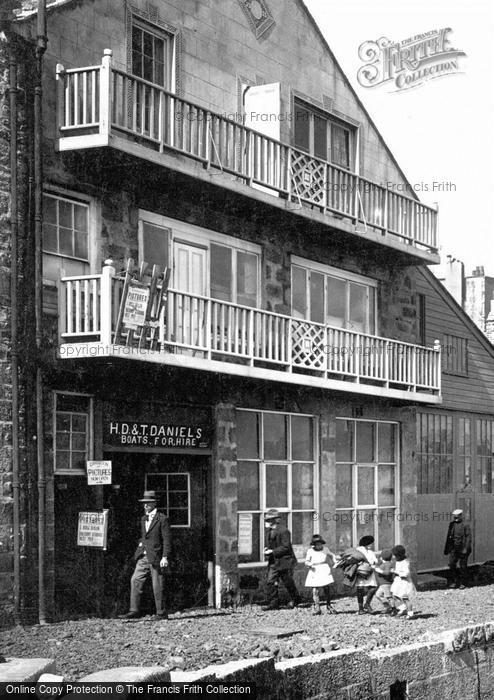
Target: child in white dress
(402, 587)
(319, 576)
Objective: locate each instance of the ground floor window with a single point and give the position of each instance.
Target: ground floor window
(276, 469)
(435, 452)
(72, 434)
(174, 496)
(366, 481)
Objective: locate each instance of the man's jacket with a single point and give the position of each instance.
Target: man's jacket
(155, 543)
(464, 532)
(283, 556)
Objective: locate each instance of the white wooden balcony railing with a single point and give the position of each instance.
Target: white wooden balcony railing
(101, 103)
(202, 332)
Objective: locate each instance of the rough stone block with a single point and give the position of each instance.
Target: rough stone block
(311, 675)
(130, 674)
(25, 670)
(418, 661)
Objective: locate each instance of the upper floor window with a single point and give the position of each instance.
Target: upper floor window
(66, 227)
(454, 353)
(68, 223)
(72, 433)
(333, 297)
(324, 136)
(152, 54)
(204, 263)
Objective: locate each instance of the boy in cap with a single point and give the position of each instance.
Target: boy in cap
(281, 561)
(151, 557)
(458, 546)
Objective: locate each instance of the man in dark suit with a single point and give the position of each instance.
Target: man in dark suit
(281, 561)
(151, 557)
(458, 546)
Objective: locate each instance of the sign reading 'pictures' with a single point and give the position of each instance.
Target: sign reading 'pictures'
(134, 314)
(98, 472)
(156, 435)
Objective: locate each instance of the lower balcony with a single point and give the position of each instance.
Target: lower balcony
(109, 315)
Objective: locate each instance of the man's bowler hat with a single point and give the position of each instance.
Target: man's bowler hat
(149, 497)
(272, 514)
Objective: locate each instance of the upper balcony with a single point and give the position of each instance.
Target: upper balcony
(102, 106)
(112, 315)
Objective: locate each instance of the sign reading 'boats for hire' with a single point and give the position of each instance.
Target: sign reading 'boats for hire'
(126, 434)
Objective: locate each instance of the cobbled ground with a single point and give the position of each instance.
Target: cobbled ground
(197, 638)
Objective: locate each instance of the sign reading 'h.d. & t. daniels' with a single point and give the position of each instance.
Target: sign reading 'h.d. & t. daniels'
(156, 435)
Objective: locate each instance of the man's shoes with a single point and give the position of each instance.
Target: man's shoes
(361, 611)
(452, 585)
(368, 609)
(271, 607)
(461, 586)
(160, 616)
(132, 615)
(330, 610)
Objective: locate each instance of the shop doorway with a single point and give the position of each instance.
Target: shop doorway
(183, 483)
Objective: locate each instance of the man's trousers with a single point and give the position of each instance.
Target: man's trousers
(141, 573)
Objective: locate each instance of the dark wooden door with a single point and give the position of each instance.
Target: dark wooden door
(183, 485)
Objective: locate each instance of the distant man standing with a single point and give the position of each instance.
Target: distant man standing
(151, 557)
(281, 561)
(458, 546)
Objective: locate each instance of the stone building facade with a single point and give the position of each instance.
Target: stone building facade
(287, 362)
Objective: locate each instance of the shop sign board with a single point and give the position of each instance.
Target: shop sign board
(136, 303)
(92, 529)
(98, 472)
(123, 434)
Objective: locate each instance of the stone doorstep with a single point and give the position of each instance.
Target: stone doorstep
(430, 582)
(276, 632)
(25, 670)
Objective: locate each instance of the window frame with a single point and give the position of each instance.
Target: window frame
(456, 363)
(89, 436)
(331, 120)
(355, 464)
(348, 277)
(169, 49)
(166, 508)
(93, 217)
(288, 462)
(197, 236)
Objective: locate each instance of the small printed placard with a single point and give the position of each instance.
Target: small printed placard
(245, 533)
(92, 529)
(98, 472)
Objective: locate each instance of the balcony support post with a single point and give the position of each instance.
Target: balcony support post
(437, 378)
(107, 276)
(386, 363)
(105, 94)
(385, 212)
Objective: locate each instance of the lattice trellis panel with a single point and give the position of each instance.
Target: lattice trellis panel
(308, 342)
(309, 178)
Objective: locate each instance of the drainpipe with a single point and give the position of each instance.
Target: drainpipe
(41, 42)
(14, 229)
